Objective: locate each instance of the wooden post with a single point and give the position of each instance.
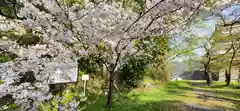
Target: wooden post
(84, 87)
(85, 78)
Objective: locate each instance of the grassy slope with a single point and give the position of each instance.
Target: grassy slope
(172, 96)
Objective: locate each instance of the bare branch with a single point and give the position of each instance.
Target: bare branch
(144, 14)
(166, 13)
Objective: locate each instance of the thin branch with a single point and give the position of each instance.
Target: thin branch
(185, 52)
(238, 48)
(224, 53)
(144, 14)
(194, 12)
(41, 8)
(231, 24)
(161, 16)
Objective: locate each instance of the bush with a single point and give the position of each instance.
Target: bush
(132, 70)
(89, 64)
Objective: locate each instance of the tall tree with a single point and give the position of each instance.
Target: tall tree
(229, 29)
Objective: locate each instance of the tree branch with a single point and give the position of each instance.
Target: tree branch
(172, 11)
(185, 52)
(224, 53)
(144, 14)
(232, 23)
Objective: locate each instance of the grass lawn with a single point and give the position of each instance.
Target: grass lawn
(172, 96)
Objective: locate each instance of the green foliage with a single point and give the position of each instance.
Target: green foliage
(151, 62)
(219, 36)
(4, 58)
(27, 39)
(90, 64)
(101, 46)
(10, 8)
(210, 3)
(155, 50)
(71, 2)
(153, 46)
(219, 64)
(136, 5)
(1, 81)
(11, 34)
(132, 70)
(12, 107)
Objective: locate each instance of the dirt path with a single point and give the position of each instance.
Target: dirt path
(205, 96)
(197, 107)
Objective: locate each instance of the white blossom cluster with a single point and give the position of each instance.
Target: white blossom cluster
(60, 23)
(27, 78)
(108, 22)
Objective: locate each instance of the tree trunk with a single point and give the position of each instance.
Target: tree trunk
(239, 78)
(110, 92)
(228, 79)
(228, 74)
(209, 78)
(51, 105)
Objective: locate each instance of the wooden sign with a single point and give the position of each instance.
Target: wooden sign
(85, 77)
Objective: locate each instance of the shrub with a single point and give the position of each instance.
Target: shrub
(132, 70)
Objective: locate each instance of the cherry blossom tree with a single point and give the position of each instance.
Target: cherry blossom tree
(27, 79)
(103, 27)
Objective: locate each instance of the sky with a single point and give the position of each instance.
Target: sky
(205, 30)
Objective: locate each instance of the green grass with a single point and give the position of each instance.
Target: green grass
(154, 99)
(171, 96)
(222, 85)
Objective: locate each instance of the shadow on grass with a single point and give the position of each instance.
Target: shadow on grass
(218, 88)
(216, 84)
(237, 106)
(207, 97)
(167, 98)
(126, 104)
(197, 84)
(221, 92)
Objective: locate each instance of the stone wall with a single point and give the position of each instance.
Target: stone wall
(234, 74)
